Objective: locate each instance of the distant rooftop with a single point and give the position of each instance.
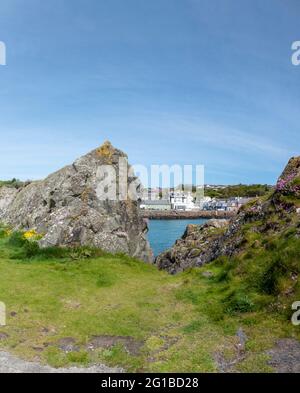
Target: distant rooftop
(156, 203)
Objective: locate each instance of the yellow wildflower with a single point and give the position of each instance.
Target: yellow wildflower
(30, 234)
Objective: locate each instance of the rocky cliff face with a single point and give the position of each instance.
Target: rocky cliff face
(7, 195)
(67, 210)
(196, 247)
(268, 216)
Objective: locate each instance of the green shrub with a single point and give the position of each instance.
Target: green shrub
(227, 265)
(222, 276)
(270, 278)
(238, 302)
(17, 239)
(31, 249)
(3, 233)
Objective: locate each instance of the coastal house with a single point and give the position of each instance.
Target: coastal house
(162, 204)
(202, 202)
(182, 201)
(175, 200)
(231, 204)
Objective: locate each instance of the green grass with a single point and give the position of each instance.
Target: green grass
(14, 183)
(182, 321)
(239, 190)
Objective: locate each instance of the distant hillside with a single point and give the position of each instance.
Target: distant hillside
(14, 183)
(239, 190)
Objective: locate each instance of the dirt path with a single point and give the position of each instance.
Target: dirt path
(285, 356)
(12, 364)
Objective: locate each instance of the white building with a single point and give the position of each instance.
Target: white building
(201, 203)
(162, 204)
(182, 201)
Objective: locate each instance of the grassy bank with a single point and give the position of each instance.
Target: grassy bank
(84, 306)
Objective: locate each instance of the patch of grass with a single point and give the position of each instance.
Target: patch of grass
(80, 357)
(14, 183)
(194, 326)
(105, 280)
(183, 320)
(238, 302)
(17, 239)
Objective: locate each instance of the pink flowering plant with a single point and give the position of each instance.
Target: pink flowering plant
(289, 184)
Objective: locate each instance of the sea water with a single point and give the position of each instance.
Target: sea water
(163, 233)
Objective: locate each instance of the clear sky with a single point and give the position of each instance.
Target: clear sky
(168, 81)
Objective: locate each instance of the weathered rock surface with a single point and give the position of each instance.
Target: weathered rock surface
(67, 210)
(196, 247)
(203, 244)
(7, 195)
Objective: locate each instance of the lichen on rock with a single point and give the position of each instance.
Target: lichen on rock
(66, 208)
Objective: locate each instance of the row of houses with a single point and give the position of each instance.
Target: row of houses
(172, 201)
(231, 204)
(185, 201)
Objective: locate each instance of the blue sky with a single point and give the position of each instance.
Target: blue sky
(168, 81)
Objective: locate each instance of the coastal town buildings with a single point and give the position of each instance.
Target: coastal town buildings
(160, 204)
(185, 201)
(182, 201)
(231, 204)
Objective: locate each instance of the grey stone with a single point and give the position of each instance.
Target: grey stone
(66, 209)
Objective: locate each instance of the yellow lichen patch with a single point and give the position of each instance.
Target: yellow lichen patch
(106, 150)
(85, 194)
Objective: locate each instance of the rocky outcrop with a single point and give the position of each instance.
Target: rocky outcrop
(67, 210)
(197, 246)
(266, 215)
(7, 195)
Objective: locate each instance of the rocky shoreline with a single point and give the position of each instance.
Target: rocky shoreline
(178, 215)
(266, 217)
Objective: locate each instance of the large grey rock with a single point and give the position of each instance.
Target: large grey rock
(7, 195)
(67, 210)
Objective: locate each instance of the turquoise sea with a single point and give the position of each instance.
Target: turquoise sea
(163, 233)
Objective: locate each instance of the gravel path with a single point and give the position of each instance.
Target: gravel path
(12, 364)
(285, 356)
